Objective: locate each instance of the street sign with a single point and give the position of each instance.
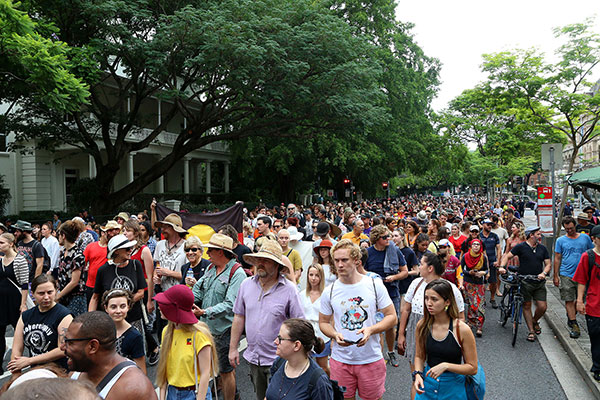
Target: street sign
(329, 192)
(545, 218)
(544, 196)
(347, 193)
(556, 149)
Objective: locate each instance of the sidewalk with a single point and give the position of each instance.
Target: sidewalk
(577, 349)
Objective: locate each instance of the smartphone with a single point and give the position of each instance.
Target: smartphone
(351, 341)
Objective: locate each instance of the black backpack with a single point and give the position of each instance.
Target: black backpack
(591, 264)
(338, 391)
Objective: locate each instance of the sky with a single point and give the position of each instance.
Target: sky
(458, 32)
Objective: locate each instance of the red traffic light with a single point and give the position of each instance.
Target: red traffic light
(346, 181)
(384, 185)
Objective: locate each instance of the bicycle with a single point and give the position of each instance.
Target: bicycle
(511, 305)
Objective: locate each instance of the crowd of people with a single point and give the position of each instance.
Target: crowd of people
(384, 280)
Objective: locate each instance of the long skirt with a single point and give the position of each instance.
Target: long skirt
(475, 299)
(448, 386)
(411, 334)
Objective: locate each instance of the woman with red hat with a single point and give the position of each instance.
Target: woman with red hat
(323, 256)
(188, 357)
(476, 270)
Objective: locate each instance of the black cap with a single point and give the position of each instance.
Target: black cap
(595, 231)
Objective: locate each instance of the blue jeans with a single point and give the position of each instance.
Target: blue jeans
(175, 394)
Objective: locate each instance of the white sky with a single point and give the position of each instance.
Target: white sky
(458, 32)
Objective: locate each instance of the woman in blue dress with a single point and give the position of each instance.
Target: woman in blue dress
(442, 343)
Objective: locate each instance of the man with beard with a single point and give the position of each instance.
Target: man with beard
(264, 301)
(90, 346)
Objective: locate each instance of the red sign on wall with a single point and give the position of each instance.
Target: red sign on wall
(544, 196)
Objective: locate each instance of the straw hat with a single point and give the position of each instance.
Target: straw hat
(270, 250)
(174, 221)
(123, 215)
(112, 224)
(220, 242)
(176, 304)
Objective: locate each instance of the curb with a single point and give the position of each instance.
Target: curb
(573, 347)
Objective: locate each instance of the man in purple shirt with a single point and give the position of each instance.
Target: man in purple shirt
(265, 301)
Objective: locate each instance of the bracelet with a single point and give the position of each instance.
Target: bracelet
(415, 373)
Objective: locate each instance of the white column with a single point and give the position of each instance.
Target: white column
(161, 179)
(226, 176)
(92, 167)
(186, 175)
(130, 168)
(208, 177)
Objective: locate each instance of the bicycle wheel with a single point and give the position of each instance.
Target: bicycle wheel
(517, 312)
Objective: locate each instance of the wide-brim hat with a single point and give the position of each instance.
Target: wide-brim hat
(270, 250)
(119, 242)
(294, 234)
(112, 224)
(590, 208)
(174, 221)
(123, 215)
(176, 304)
(220, 242)
(323, 244)
(335, 230)
(26, 226)
(581, 215)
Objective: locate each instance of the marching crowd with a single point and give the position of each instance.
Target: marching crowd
(384, 280)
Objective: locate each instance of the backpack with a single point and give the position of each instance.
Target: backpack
(338, 391)
(591, 264)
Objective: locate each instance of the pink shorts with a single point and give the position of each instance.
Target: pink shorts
(369, 379)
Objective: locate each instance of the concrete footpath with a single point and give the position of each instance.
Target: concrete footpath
(577, 349)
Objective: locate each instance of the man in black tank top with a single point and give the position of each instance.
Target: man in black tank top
(89, 344)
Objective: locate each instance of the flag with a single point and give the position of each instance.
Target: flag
(204, 225)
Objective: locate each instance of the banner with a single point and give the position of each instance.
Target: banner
(204, 225)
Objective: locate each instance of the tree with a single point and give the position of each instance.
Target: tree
(560, 94)
(35, 66)
(234, 69)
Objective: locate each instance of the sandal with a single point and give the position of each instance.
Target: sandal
(537, 328)
(531, 337)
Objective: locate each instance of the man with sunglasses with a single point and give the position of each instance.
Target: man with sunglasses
(90, 346)
(386, 260)
(214, 296)
(567, 253)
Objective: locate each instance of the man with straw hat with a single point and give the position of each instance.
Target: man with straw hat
(169, 257)
(264, 301)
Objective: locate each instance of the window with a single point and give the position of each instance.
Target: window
(3, 144)
(71, 177)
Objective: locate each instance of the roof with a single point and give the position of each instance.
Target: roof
(588, 177)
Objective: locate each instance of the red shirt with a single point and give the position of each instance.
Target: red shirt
(457, 243)
(95, 255)
(592, 302)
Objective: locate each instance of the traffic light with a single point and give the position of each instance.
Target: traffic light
(346, 182)
(384, 185)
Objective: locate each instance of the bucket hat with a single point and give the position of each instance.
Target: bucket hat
(294, 234)
(174, 221)
(176, 304)
(119, 242)
(323, 244)
(123, 215)
(220, 242)
(581, 215)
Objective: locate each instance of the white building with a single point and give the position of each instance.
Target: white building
(43, 180)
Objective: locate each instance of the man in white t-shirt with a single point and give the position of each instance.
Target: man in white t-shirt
(353, 302)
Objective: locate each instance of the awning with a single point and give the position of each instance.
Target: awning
(588, 178)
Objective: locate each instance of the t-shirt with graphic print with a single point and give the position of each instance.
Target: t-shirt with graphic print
(40, 330)
(171, 258)
(129, 277)
(353, 308)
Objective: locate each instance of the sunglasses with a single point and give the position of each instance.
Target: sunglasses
(291, 208)
(385, 237)
(276, 226)
(192, 249)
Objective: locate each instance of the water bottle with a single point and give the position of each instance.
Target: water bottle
(379, 316)
(189, 274)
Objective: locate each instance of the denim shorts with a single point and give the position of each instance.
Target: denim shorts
(177, 394)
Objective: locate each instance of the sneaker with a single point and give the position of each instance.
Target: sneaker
(574, 332)
(393, 358)
(153, 358)
(493, 303)
(596, 376)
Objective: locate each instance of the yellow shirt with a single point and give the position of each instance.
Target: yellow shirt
(180, 361)
(295, 259)
(355, 239)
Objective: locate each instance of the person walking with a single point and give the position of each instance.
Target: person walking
(263, 302)
(294, 370)
(443, 340)
(70, 272)
(475, 266)
(188, 357)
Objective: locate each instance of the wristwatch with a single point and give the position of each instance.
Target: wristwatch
(415, 373)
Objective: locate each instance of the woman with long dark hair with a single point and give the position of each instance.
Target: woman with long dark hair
(443, 340)
(476, 269)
